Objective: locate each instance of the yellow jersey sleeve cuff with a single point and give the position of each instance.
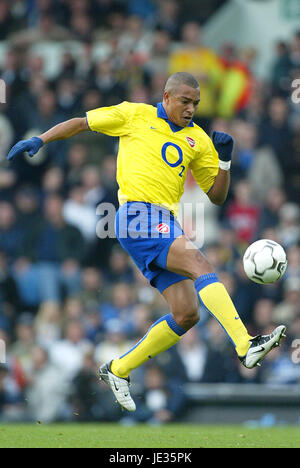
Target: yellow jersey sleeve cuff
(87, 121)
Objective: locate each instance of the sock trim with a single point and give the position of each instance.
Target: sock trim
(174, 325)
(204, 280)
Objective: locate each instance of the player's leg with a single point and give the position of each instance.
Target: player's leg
(163, 334)
(183, 303)
(145, 245)
(166, 331)
(185, 259)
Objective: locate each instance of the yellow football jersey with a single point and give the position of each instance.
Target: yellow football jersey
(154, 153)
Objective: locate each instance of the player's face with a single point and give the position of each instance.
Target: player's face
(181, 104)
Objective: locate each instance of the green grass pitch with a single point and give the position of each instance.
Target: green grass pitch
(143, 436)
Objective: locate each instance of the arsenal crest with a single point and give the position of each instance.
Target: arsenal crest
(163, 227)
(191, 142)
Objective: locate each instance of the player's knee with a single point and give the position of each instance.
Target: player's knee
(197, 265)
(187, 315)
(201, 265)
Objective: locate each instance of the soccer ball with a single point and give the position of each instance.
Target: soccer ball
(265, 261)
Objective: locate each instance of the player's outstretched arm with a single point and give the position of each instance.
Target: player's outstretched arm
(224, 146)
(219, 191)
(61, 131)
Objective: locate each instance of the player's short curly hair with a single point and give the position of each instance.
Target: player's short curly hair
(180, 78)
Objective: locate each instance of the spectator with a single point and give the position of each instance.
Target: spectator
(161, 402)
(11, 233)
(48, 323)
(93, 326)
(289, 228)
(45, 115)
(68, 353)
(237, 83)
(193, 353)
(46, 29)
(158, 61)
(136, 39)
(219, 352)
(115, 342)
(12, 71)
(73, 309)
(263, 314)
(92, 291)
(289, 158)
(254, 112)
(275, 131)
(26, 276)
(293, 256)
(27, 203)
(145, 9)
(120, 306)
(295, 54)
(47, 390)
(120, 269)
(281, 69)
(81, 26)
(243, 213)
(59, 247)
(269, 217)
(11, 400)
(53, 182)
(7, 22)
(10, 301)
(76, 160)
(258, 165)
(79, 214)
(94, 192)
(25, 341)
(288, 309)
(168, 18)
(247, 293)
(280, 369)
(6, 136)
(106, 82)
(67, 96)
(91, 400)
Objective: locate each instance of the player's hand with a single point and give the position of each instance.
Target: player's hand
(223, 144)
(31, 146)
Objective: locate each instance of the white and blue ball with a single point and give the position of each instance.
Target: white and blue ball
(265, 261)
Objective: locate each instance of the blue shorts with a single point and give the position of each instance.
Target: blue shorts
(146, 232)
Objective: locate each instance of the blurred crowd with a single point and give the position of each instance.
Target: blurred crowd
(70, 299)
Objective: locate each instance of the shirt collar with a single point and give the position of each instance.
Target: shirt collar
(161, 113)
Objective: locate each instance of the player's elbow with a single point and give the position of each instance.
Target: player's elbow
(218, 203)
(217, 200)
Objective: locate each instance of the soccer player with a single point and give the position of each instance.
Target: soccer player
(157, 145)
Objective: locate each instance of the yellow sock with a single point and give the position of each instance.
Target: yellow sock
(163, 334)
(214, 297)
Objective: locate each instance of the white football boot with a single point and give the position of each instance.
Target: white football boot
(261, 345)
(119, 386)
